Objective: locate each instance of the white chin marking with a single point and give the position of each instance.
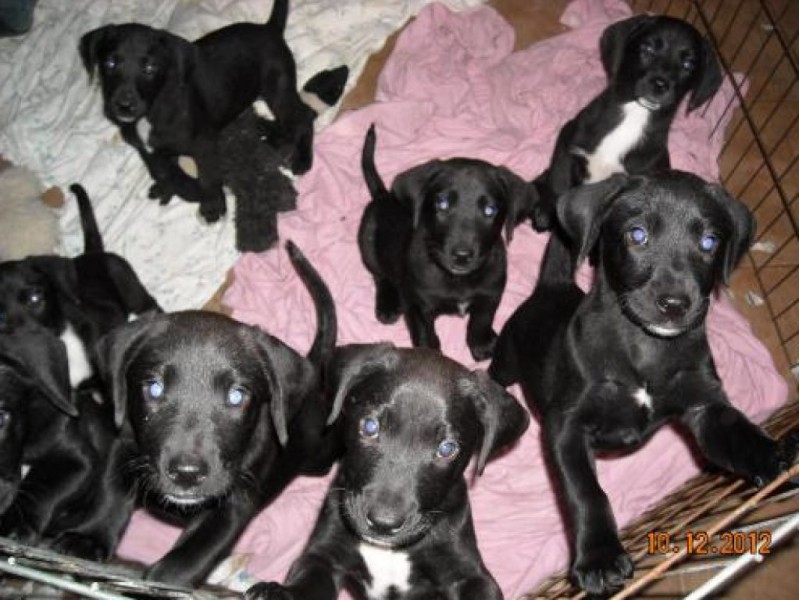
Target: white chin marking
(663, 331)
(649, 105)
(183, 501)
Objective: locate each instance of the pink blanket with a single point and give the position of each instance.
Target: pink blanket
(453, 87)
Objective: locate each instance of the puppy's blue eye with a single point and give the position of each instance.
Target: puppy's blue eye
(150, 69)
(154, 389)
(636, 236)
(442, 203)
(447, 450)
(688, 64)
(110, 63)
(236, 396)
(5, 417)
(490, 210)
(370, 428)
(34, 297)
(708, 242)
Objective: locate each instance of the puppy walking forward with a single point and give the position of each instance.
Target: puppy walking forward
(605, 370)
(396, 521)
(216, 417)
(434, 243)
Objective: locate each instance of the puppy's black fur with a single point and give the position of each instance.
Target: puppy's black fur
(652, 63)
(411, 420)
(434, 243)
(172, 97)
(216, 418)
(41, 430)
(607, 369)
(77, 299)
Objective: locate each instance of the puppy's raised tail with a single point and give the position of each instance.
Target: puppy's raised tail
(92, 240)
(375, 184)
(325, 340)
(280, 12)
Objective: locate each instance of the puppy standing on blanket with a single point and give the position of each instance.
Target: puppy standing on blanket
(216, 418)
(171, 97)
(605, 370)
(77, 299)
(652, 63)
(396, 523)
(434, 243)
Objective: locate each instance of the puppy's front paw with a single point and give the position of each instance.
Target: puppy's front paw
(212, 209)
(602, 570)
(161, 192)
(18, 529)
(268, 591)
(79, 545)
(387, 304)
(482, 347)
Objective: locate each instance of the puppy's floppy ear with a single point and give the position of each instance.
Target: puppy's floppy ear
(351, 364)
(90, 43)
(581, 211)
(39, 359)
(743, 229)
(60, 271)
(709, 78)
(410, 186)
(503, 419)
(114, 353)
(521, 197)
(614, 38)
(287, 374)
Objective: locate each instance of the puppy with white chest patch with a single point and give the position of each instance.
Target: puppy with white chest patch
(652, 63)
(396, 521)
(604, 370)
(76, 299)
(434, 243)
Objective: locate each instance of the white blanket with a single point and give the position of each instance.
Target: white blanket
(51, 121)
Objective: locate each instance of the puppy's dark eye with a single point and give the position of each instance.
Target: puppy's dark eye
(636, 236)
(708, 242)
(153, 389)
(34, 297)
(150, 68)
(490, 210)
(647, 49)
(110, 63)
(442, 202)
(237, 396)
(447, 450)
(688, 64)
(5, 418)
(369, 427)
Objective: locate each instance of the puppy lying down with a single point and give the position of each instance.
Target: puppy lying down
(604, 370)
(216, 417)
(396, 521)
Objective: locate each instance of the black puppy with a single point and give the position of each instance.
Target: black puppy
(216, 418)
(434, 243)
(652, 63)
(607, 369)
(172, 97)
(42, 433)
(396, 522)
(77, 299)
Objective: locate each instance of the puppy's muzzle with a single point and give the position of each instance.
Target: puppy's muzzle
(187, 471)
(657, 93)
(673, 307)
(460, 260)
(126, 106)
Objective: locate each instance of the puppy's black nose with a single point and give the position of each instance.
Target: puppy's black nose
(462, 256)
(659, 84)
(384, 521)
(187, 471)
(673, 306)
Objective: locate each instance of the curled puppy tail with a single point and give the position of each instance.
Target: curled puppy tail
(375, 184)
(325, 340)
(92, 240)
(280, 12)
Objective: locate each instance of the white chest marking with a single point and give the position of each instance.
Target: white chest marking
(462, 308)
(611, 151)
(143, 128)
(388, 568)
(263, 110)
(643, 398)
(80, 367)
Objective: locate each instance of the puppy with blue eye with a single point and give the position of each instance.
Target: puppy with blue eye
(434, 243)
(604, 370)
(216, 417)
(396, 522)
